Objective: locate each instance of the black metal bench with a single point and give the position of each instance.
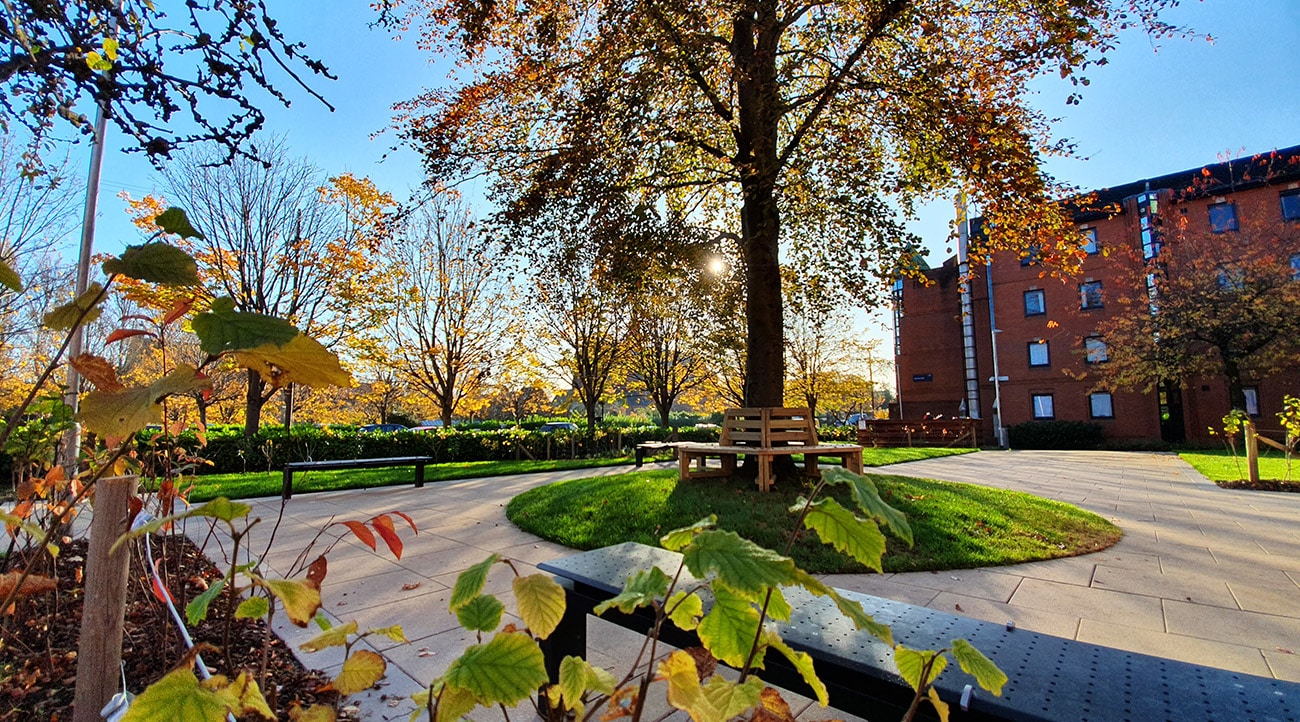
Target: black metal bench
(653, 446)
(1051, 678)
(419, 462)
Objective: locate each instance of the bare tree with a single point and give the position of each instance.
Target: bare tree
(819, 343)
(451, 308)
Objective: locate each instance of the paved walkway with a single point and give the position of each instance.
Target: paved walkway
(1203, 574)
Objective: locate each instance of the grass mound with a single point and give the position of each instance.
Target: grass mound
(956, 526)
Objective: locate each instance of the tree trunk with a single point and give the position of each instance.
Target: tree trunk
(1236, 391)
(253, 403)
(754, 44)
(664, 411)
(287, 394)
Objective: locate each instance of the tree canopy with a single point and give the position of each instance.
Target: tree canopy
(150, 68)
(799, 127)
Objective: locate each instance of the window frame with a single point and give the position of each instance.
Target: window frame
(1088, 352)
(1230, 225)
(1290, 194)
(1047, 354)
(1091, 246)
(1110, 402)
(1084, 304)
(1042, 302)
(1252, 399)
(1051, 406)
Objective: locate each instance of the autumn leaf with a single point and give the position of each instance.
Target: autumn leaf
(122, 334)
(301, 361)
(156, 263)
(98, 371)
(384, 526)
(117, 414)
(223, 329)
(360, 672)
(65, 317)
(9, 278)
(33, 584)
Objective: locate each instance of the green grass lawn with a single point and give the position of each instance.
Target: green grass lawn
(1219, 465)
(956, 526)
(269, 483)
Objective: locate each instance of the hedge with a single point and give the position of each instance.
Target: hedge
(1055, 435)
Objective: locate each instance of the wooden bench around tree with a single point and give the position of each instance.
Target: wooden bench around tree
(419, 462)
(763, 433)
(1051, 679)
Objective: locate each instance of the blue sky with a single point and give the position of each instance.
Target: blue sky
(1150, 111)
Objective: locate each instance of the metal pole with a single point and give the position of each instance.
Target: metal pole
(71, 441)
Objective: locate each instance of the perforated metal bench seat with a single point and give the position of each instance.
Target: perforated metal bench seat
(1051, 678)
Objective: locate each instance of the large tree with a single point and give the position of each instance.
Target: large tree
(816, 124)
(58, 59)
(1221, 304)
(451, 307)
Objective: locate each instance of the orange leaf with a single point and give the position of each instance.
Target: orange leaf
(384, 526)
(362, 531)
(33, 584)
(159, 590)
(124, 333)
(179, 309)
(97, 371)
(408, 520)
(316, 572)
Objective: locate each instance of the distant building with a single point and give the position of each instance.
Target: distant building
(1037, 347)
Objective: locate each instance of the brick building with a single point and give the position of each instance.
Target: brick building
(1047, 325)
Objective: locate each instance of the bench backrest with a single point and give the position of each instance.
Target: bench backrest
(767, 427)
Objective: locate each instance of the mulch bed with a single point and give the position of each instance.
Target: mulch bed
(38, 661)
(1262, 485)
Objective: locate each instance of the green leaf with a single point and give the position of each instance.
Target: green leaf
(676, 539)
(481, 614)
(253, 608)
(540, 600)
(868, 499)
(974, 663)
(842, 529)
(180, 697)
(224, 329)
(453, 702)
(848, 607)
(777, 607)
(9, 277)
(95, 61)
(174, 221)
(470, 582)
(33, 530)
(577, 677)
(729, 629)
(506, 670)
(360, 672)
(156, 263)
(197, 610)
(740, 564)
(911, 665)
(332, 637)
(641, 588)
(303, 360)
(730, 698)
(65, 317)
(685, 610)
(803, 662)
(301, 599)
(718, 700)
(221, 508)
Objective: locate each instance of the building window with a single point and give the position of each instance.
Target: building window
(1095, 350)
(1090, 241)
(1038, 354)
(1043, 407)
(1036, 303)
(1295, 266)
(1252, 400)
(1032, 254)
(1148, 207)
(1223, 217)
(1101, 406)
(1290, 205)
(1231, 277)
(1090, 295)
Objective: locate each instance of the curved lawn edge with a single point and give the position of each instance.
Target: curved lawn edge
(956, 526)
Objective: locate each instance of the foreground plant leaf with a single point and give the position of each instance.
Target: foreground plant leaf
(482, 614)
(65, 317)
(118, 414)
(453, 702)
(842, 529)
(730, 628)
(911, 664)
(253, 608)
(224, 329)
(301, 599)
(676, 539)
(174, 221)
(470, 583)
(974, 663)
(156, 263)
(360, 672)
(9, 278)
(803, 662)
(577, 677)
(541, 603)
(740, 564)
(180, 697)
(506, 670)
(197, 610)
(685, 610)
(314, 713)
(868, 499)
(301, 360)
(642, 587)
(716, 701)
(332, 637)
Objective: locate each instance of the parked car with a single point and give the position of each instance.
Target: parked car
(557, 426)
(381, 428)
(427, 428)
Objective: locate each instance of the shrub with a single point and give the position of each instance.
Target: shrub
(1055, 435)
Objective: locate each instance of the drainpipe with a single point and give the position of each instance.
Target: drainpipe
(967, 311)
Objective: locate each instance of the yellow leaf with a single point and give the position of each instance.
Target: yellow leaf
(301, 599)
(684, 691)
(940, 706)
(360, 672)
(302, 360)
(541, 603)
(242, 696)
(180, 697)
(333, 637)
(314, 713)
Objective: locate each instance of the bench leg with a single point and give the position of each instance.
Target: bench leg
(419, 475)
(640, 457)
(287, 491)
(568, 639)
